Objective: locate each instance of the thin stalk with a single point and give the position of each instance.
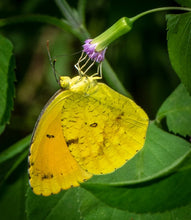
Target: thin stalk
(133, 19)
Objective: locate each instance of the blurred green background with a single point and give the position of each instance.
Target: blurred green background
(140, 58)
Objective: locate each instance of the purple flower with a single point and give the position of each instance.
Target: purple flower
(90, 50)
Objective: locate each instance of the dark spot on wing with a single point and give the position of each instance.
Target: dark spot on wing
(100, 151)
(72, 121)
(50, 136)
(93, 125)
(44, 177)
(47, 176)
(72, 141)
(120, 116)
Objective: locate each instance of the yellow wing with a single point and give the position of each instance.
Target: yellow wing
(51, 165)
(103, 129)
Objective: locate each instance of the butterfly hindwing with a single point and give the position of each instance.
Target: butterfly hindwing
(103, 129)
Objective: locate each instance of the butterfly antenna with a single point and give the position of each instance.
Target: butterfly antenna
(52, 62)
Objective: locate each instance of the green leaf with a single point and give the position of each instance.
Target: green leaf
(177, 110)
(78, 203)
(2, 127)
(92, 209)
(10, 166)
(186, 3)
(73, 19)
(59, 206)
(147, 181)
(179, 46)
(12, 198)
(70, 14)
(12, 157)
(7, 79)
(157, 158)
(160, 195)
(15, 149)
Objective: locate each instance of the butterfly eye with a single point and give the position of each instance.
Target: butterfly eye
(64, 82)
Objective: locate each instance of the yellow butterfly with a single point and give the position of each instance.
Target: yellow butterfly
(86, 128)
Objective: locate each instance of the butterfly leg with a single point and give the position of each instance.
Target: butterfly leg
(98, 74)
(84, 64)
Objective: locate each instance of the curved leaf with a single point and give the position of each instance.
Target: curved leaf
(179, 46)
(186, 3)
(78, 203)
(154, 196)
(177, 110)
(7, 78)
(59, 206)
(15, 149)
(12, 157)
(12, 198)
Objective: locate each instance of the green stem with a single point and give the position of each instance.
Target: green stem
(113, 81)
(133, 19)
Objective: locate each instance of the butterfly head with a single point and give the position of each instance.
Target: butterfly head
(78, 84)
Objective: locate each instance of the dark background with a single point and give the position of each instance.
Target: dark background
(140, 58)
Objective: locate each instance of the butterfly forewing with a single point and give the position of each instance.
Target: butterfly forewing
(51, 165)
